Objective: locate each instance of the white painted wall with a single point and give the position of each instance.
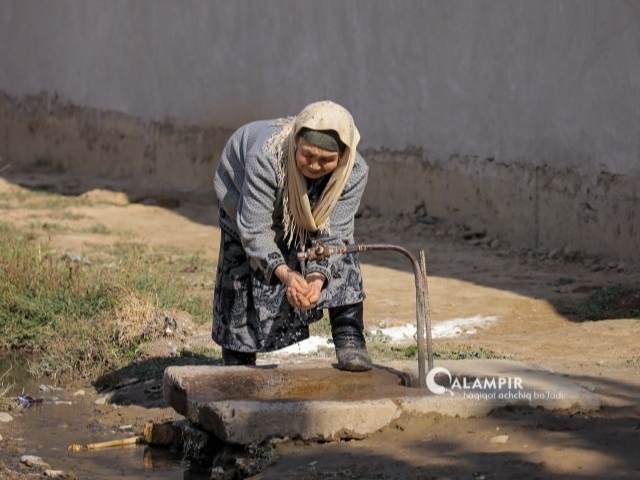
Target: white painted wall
(541, 84)
(542, 81)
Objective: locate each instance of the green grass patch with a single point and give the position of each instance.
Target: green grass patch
(381, 348)
(616, 301)
(466, 352)
(82, 318)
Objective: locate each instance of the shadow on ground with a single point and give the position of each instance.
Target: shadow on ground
(140, 382)
(540, 445)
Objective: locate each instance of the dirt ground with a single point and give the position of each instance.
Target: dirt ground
(469, 274)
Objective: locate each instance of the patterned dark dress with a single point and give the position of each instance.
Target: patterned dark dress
(251, 311)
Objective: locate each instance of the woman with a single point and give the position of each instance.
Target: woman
(281, 184)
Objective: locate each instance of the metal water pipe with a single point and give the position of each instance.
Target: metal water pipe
(423, 315)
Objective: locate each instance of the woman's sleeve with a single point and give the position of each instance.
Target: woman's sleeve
(342, 218)
(255, 214)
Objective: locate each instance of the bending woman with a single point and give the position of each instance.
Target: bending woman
(281, 184)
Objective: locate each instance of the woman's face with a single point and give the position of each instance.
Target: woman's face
(315, 162)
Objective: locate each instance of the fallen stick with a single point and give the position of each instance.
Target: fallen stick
(163, 434)
(111, 443)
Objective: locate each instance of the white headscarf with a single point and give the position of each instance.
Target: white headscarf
(299, 218)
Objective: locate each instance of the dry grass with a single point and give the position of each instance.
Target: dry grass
(5, 403)
(81, 319)
(131, 320)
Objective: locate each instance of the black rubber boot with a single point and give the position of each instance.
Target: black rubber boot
(232, 357)
(347, 329)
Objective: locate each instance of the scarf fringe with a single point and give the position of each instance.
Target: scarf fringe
(277, 145)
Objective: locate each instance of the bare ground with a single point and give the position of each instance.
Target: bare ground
(469, 275)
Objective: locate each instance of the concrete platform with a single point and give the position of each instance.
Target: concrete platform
(316, 401)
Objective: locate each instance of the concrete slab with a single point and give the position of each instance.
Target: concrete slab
(316, 401)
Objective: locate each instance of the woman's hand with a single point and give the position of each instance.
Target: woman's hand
(316, 282)
(298, 289)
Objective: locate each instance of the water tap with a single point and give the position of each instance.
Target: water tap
(317, 252)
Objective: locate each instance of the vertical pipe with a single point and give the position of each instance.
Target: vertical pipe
(420, 333)
(427, 309)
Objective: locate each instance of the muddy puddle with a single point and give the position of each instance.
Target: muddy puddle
(64, 418)
(49, 429)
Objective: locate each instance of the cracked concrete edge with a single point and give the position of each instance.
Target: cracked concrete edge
(248, 422)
